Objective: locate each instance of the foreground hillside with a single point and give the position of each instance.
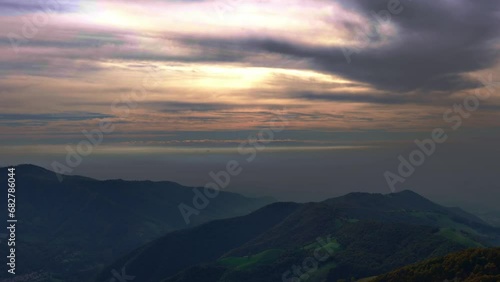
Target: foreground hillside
(475, 265)
(72, 228)
(350, 237)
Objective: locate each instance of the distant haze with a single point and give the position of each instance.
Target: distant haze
(462, 175)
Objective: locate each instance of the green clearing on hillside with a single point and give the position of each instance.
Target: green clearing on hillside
(321, 274)
(458, 237)
(444, 220)
(248, 262)
(333, 245)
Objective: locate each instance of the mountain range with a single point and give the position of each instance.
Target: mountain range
(360, 235)
(71, 228)
(83, 229)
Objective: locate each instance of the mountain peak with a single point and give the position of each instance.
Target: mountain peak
(405, 193)
(389, 202)
(29, 168)
(408, 193)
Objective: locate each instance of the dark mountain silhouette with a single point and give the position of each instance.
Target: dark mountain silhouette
(366, 234)
(72, 228)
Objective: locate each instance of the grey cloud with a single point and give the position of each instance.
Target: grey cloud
(27, 6)
(170, 107)
(78, 40)
(356, 98)
(21, 123)
(67, 116)
(438, 42)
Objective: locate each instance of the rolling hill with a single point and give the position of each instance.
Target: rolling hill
(362, 234)
(72, 228)
(474, 265)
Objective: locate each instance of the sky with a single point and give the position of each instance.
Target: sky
(193, 76)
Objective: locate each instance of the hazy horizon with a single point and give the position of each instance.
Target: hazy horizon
(450, 177)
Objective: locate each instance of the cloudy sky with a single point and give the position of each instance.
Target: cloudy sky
(203, 75)
(205, 70)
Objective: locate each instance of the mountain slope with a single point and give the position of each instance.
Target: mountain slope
(364, 234)
(78, 225)
(474, 265)
(177, 250)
